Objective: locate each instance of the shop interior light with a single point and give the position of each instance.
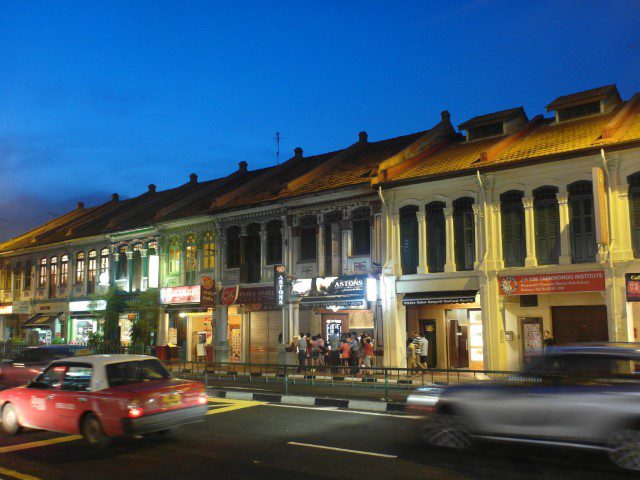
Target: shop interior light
(183, 315)
(154, 271)
(372, 289)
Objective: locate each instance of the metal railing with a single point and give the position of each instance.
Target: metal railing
(383, 378)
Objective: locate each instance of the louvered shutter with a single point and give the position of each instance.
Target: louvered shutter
(469, 240)
(436, 246)
(547, 232)
(582, 231)
(635, 221)
(508, 245)
(409, 241)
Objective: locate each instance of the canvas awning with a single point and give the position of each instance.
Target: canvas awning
(40, 320)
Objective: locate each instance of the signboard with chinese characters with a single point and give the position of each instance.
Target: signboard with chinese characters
(207, 292)
(22, 307)
(279, 284)
(177, 295)
(633, 287)
(552, 283)
(254, 295)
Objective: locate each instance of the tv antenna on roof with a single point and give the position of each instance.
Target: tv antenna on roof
(277, 138)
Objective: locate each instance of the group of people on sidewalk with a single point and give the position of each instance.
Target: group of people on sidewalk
(417, 351)
(347, 350)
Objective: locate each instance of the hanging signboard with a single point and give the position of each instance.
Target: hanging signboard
(552, 283)
(207, 292)
(279, 282)
(600, 206)
(177, 295)
(228, 295)
(633, 287)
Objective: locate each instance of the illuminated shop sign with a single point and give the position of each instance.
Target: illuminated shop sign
(552, 283)
(177, 295)
(279, 282)
(349, 291)
(85, 306)
(154, 271)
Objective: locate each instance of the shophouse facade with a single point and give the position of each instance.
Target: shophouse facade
(500, 235)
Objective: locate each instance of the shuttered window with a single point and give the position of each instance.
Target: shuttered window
(274, 242)
(308, 239)
(233, 247)
(547, 225)
(436, 236)
(409, 239)
(251, 255)
(634, 206)
(581, 222)
(513, 236)
(361, 231)
(465, 249)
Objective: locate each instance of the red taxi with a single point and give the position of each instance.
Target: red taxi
(103, 396)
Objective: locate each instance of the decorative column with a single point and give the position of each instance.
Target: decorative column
(321, 258)
(183, 261)
(244, 267)
(476, 235)
(221, 343)
(129, 269)
(285, 232)
(529, 232)
(394, 245)
(423, 265)
(264, 272)
(199, 254)
(345, 238)
(144, 281)
(113, 272)
(492, 238)
(218, 255)
(450, 264)
(565, 238)
(624, 249)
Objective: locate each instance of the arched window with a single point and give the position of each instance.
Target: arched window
(547, 225)
(136, 268)
(53, 277)
(122, 264)
(274, 242)
(409, 239)
(581, 222)
(104, 261)
(250, 269)
(64, 269)
(80, 267)
(514, 249)
(436, 236)
(27, 275)
(174, 256)
(634, 210)
(42, 273)
(191, 257)
(233, 247)
(308, 239)
(92, 271)
(208, 249)
(361, 231)
(464, 231)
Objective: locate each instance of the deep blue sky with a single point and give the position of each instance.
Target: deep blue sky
(101, 97)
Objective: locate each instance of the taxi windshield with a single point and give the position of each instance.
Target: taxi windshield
(125, 373)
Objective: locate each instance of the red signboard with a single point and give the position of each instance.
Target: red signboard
(633, 287)
(228, 295)
(248, 296)
(207, 292)
(174, 295)
(552, 283)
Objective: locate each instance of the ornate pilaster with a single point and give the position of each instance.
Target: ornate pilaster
(450, 264)
(423, 266)
(565, 236)
(529, 232)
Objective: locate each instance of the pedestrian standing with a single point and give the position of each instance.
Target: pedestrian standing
(302, 351)
(423, 351)
(411, 355)
(309, 350)
(368, 355)
(353, 354)
(345, 349)
(321, 350)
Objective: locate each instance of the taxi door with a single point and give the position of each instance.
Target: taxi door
(37, 406)
(73, 397)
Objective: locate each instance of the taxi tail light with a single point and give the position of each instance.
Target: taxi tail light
(202, 398)
(134, 409)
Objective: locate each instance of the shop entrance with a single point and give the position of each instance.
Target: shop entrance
(584, 323)
(458, 341)
(428, 331)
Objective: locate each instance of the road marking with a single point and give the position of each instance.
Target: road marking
(40, 443)
(18, 475)
(355, 412)
(221, 405)
(345, 450)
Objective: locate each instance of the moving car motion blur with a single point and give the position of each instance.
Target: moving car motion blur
(103, 396)
(584, 396)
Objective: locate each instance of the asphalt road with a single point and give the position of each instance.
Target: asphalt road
(252, 440)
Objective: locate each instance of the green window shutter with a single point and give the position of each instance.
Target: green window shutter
(634, 203)
(409, 239)
(436, 238)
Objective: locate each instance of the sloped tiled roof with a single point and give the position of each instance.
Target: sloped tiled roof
(573, 98)
(492, 117)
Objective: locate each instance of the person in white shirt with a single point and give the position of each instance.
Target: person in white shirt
(423, 350)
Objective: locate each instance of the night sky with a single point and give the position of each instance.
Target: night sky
(103, 97)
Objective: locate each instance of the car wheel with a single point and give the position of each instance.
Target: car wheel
(10, 423)
(625, 449)
(445, 431)
(93, 433)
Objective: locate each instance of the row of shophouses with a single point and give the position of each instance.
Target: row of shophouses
(480, 238)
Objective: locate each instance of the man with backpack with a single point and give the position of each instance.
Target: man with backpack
(302, 351)
(354, 346)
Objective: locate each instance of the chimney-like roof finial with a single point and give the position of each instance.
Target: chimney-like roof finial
(363, 137)
(115, 197)
(80, 205)
(298, 152)
(193, 178)
(243, 166)
(152, 188)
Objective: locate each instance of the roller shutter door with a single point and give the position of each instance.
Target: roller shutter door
(265, 327)
(580, 324)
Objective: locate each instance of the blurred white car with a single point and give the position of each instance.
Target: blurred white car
(585, 396)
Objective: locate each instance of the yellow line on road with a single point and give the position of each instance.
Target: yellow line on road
(40, 443)
(228, 405)
(18, 475)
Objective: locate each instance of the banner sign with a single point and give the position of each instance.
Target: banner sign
(207, 292)
(633, 287)
(552, 283)
(279, 282)
(600, 206)
(347, 285)
(22, 307)
(177, 295)
(237, 295)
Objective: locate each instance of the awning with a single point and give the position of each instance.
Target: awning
(40, 320)
(440, 298)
